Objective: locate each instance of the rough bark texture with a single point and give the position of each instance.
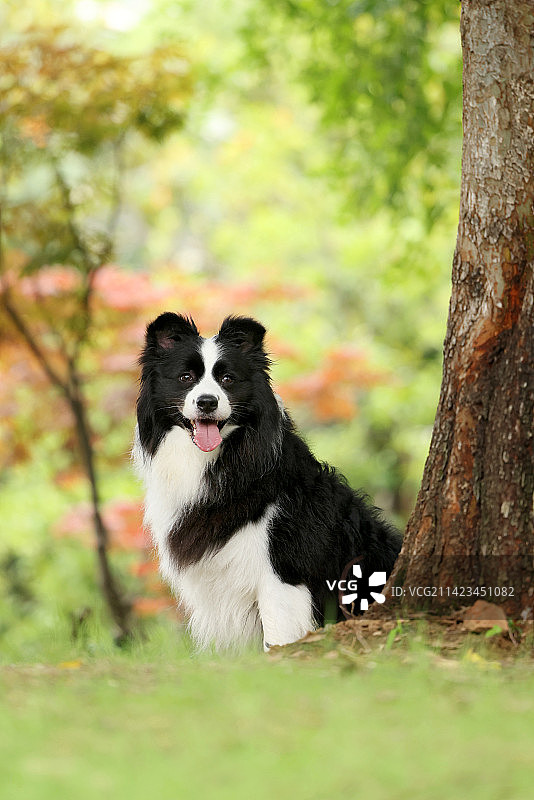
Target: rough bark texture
(473, 521)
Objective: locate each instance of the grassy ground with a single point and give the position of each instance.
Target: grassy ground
(317, 720)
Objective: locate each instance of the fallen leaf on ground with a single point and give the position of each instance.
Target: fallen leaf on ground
(480, 661)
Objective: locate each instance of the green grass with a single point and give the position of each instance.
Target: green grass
(159, 722)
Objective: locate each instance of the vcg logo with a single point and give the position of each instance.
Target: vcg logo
(356, 590)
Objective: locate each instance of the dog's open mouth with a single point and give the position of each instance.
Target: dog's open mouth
(206, 433)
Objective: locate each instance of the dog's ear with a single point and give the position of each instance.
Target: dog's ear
(244, 332)
(168, 329)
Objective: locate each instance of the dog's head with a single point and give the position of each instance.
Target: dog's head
(202, 385)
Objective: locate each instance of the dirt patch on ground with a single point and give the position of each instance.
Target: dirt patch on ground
(453, 637)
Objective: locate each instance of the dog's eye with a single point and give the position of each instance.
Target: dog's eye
(226, 380)
(186, 377)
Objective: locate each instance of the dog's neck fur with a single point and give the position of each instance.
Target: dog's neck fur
(187, 491)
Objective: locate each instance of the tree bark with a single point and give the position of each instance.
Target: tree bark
(473, 520)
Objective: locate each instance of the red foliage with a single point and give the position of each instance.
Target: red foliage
(151, 606)
(123, 519)
(330, 392)
(69, 478)
(115, 288)
(144, 569)
(50, 281)
(36, 129)
(125, 291)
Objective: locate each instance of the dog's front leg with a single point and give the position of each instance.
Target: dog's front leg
(286, 612)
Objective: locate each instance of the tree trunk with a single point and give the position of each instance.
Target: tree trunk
(118, 605)
(473, 521)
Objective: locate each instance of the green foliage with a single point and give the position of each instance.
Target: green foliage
(59, 93)
(392, 635)
(386, 78)
(495, 631)
(67, 109)
(47, 574)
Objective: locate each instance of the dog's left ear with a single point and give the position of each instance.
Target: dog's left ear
(244, 332)
(168, 329)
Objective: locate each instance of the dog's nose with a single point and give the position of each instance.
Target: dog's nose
(207, 403)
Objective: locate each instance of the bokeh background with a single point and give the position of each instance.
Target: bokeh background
(294, 161)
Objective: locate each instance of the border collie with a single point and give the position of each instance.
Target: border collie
(251, 531)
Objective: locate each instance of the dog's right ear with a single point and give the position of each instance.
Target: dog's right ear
(244, 332)
(168, 329)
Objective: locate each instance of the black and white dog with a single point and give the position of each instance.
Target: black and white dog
(251, 530)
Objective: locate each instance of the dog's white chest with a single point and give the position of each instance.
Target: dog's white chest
(221, 591)
(174, 481)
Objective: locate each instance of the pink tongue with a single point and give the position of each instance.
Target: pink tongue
(207, 436)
